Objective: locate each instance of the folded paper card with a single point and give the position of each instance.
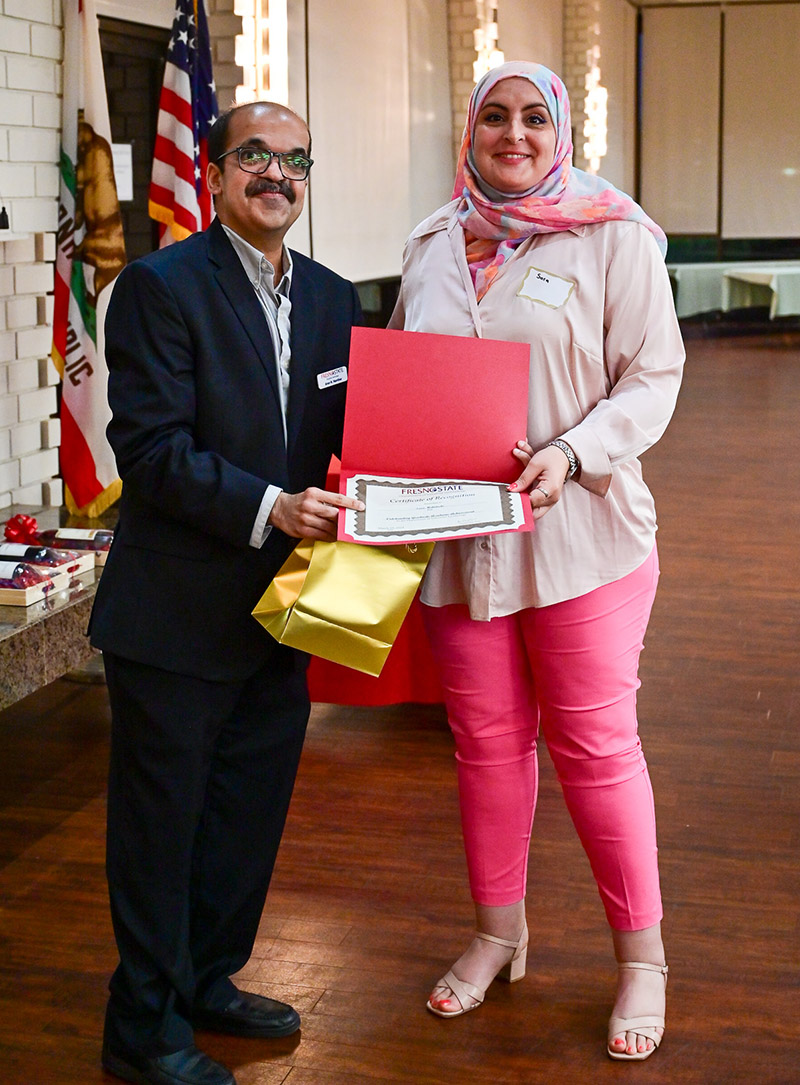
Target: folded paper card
(430, 424)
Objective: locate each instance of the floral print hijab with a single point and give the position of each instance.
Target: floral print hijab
(495, 223)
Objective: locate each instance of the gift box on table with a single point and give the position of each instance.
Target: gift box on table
(72, 562)
(82, 562)
(47, 582)
(92, 544)
(90, 541)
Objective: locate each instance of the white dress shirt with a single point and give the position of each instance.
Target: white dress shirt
(277, 307)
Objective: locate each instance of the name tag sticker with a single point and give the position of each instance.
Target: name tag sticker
(546, 288)
(332, 376)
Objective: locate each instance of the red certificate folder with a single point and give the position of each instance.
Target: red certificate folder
(434, 407)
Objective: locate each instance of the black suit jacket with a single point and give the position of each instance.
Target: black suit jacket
(197, 433)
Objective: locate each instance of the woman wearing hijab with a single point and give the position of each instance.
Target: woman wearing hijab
(544, 629)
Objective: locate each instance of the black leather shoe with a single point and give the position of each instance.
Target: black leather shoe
(249, 1015)
(186, 1067)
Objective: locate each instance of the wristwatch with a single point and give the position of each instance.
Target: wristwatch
(573, 459)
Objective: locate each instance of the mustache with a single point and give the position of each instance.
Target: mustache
(262, 184)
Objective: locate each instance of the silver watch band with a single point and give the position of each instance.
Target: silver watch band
(565, 448)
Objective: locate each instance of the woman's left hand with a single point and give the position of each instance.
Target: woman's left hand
(544, 476)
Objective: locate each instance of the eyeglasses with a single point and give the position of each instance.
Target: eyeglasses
(293, 165)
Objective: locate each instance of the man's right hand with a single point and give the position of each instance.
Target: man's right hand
(311, 514)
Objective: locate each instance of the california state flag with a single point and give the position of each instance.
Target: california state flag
(90, 254)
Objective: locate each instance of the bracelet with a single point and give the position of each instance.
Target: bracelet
(573, 459)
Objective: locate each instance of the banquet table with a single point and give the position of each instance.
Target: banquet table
(705, 288)
(697, 287)
(777, 287)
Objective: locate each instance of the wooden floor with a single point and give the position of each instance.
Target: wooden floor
(369, 902)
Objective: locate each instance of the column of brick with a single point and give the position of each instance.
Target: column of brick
(580, 18)
(462, 22)
(223, 26)
(30, 119)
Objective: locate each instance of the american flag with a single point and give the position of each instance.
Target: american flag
(179, 198)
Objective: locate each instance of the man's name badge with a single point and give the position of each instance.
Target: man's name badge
(332, 376)
(546, 288)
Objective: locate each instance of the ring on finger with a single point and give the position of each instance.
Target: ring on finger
(542, 490)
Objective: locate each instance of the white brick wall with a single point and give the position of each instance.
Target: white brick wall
(462, 20)
(31, 73)
(16, 107)
(51, 432)
(8, 348)
(53, 492)
(22, 376)
(33, 278)
(30, 120)
(40, 11)
(9, 412)
(38, 404)
(15, 35)
(37, 466)
(26, 439)
(21, 312)
(48, 375)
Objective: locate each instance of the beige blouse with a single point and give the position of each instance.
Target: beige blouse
(606, 364)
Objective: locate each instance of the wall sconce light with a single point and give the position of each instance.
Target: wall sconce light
(486, 37)
(262, 51)
(595, 106)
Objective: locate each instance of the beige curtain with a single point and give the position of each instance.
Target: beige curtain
(680, 118)
(761, 128)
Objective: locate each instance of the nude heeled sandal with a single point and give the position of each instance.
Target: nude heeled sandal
(643, 1026)
(511, 972)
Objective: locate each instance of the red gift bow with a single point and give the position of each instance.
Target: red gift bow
(22, 529)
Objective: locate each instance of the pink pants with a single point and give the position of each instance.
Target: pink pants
(574, 667)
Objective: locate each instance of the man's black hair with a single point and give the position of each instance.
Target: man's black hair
(218, 133)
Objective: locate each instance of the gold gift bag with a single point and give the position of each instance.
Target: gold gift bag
(343, 601)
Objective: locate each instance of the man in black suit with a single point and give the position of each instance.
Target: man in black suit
(227, 357)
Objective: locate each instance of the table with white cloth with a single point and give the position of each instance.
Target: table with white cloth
(773, 286)
(706, 288)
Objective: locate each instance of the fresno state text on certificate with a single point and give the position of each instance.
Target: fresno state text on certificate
(423, 510)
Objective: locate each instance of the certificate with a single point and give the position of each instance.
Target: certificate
(424, 510)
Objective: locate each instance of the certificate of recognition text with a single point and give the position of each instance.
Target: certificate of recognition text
(424, 510)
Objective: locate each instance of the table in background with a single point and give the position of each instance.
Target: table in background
(772, 286)
(700, 288)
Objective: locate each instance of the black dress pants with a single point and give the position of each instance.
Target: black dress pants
(200, 780)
